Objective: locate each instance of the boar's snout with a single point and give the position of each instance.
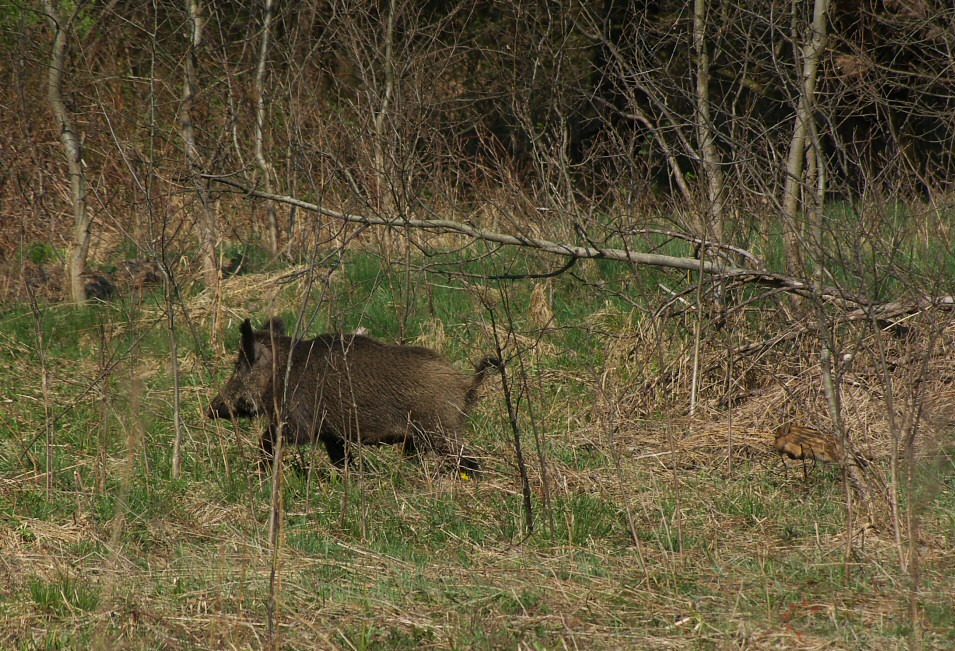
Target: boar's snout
(238, 408)
(218, 409)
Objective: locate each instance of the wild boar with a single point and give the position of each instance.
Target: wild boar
(343, 389)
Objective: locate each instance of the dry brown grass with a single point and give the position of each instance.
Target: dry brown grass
(778, 383)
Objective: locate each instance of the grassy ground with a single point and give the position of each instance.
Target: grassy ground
(107, 550)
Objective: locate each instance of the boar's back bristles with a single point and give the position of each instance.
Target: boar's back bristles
(343, 389)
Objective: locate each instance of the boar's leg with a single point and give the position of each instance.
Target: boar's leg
(457, 455)
(468, 462)
(409, 446)
(335, 448)
(461, 460)
(266, 447)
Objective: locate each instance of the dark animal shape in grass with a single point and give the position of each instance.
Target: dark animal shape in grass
(343, 389)
(98, 286)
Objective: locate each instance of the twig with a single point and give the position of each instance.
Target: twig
(45, 383)
(515, 428)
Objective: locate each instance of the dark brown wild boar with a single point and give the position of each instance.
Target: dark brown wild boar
(348, 388)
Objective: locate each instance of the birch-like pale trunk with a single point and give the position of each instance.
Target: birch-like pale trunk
(792, 186)
(207, 231)
(72, 149)
(716, 198)
(384, 199)
(206, 227)
(265, 166)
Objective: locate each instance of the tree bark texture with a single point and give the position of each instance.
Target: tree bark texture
(792, 187)
(704, 127)
(72, 149)
(207, 230)
(265, 167)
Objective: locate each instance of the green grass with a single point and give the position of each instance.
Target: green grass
(63, 595)
(403, 555)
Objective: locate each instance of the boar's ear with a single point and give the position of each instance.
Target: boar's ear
(248, 342)
(276, 325)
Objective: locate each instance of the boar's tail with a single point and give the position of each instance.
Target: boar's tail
(487, 365)
(482, 371)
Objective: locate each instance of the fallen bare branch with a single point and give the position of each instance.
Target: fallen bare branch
(715, 268)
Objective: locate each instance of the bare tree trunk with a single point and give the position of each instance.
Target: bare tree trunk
(797, 146)
(382, 168)
(264, 165)
(207, 233)
(71, 149)
(712, 230)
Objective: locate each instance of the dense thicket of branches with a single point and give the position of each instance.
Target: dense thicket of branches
(569, 109)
